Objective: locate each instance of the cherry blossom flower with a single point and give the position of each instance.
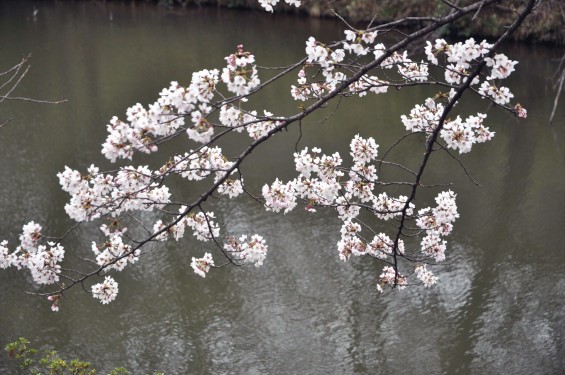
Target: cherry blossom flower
(520, 111)
(434, 246)
(279, 196)
(201, 266)
(427, 277)
(501, 66)
(501, 95)
(269, 4)
(31, 233)
(240, 75)
(55, 299)
(106, 291)
(6, 260)
(204, 228)
(389, 277)
(363, 150)
(249, 251)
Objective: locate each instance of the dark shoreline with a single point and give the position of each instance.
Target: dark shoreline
(545, 25)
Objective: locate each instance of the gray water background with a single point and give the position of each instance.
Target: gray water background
(497, 310)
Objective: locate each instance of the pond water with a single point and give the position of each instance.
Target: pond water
(499, 305)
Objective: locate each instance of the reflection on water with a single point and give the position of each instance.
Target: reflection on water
(499, 307)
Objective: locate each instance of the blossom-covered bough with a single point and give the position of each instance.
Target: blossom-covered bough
(407, 240)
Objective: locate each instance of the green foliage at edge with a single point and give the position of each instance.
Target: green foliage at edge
(49, 362)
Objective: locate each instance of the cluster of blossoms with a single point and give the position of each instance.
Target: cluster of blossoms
(386, 208)
(167, 115)
(242, 250)
(408, 70)
(279, 196)
(269, 4)
(500, 95)
(41, 260)
(257, 126)
(351, 243)
(391, 278)
(114, 253)
(135, 189)
(247, 251)
(240, 75)
(163, 118)
(201, 266)
(98, 194)
(427, 277)
(322, 183)
(357, 43)
(461, 56)
(423, 118)
(327, 59)
(457, 134)
(204, 229)
(202, 224)
(461, 135)
(199, 164)
(368, 83)
(500, 68)
(106, 291)
(437, 222)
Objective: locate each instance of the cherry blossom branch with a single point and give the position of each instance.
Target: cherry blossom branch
(297, 118)
(432, 139)
(123, 190)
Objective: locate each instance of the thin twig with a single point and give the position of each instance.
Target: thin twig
(25, 99)
(460, 164)
(560, 83)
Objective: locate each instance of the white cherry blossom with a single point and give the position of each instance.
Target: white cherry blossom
(201, 266)
(106, 291)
